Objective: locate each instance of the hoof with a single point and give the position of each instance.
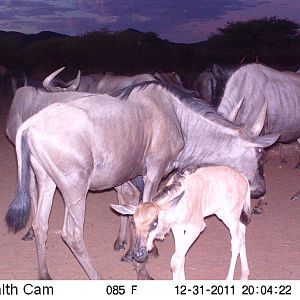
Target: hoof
(141, 271)
(295, 197)
(257, 210)
(127, 258)
(46, 277)
(29, 236)
(153, 253)
(144, 277)
(119, 245)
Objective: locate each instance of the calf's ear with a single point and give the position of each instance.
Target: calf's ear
(170, 205)
(124, 209)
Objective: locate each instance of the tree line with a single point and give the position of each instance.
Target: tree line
(273, 41)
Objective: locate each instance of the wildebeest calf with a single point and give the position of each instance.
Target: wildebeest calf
(182, 206)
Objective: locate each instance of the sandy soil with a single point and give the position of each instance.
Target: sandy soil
(273, 237)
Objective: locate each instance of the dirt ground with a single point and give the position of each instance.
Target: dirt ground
(272, 238)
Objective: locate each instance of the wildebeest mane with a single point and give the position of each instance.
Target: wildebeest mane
(125, 92)
(178, 178)
(184, 96)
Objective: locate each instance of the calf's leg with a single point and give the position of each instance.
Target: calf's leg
(238, 246)
(184, 238)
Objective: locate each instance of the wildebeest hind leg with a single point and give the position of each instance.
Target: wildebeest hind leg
(40, 222)
(298, 164)
(72, 232)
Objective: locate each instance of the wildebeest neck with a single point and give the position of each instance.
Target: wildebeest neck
(208, 137)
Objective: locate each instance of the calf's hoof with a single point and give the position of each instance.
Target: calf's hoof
(141, 271)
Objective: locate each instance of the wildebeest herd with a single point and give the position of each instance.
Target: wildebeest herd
(131, 133)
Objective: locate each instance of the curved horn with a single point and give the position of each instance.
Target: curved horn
(47, 81)
(231, 117)
(242, 60)
(257, 127)
(75, 83)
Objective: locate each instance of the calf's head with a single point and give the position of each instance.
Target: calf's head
(150, 223)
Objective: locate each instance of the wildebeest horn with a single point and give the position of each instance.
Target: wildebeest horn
(242, 60)
(257, 127)
(231, 117)
(75, 83)
(47, 81)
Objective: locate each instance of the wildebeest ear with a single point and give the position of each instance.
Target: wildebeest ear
(124, 209)
(170, 205)
(217, 70)
(264, 141)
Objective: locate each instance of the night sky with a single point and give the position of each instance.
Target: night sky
(185, 21)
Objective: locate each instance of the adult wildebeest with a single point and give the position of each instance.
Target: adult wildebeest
(98, 142)
(259, 84)
(29, 100)
(210, 84)
(194, 194)
(86, 83)
(110, 84)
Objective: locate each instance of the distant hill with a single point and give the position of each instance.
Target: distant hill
(22, 40)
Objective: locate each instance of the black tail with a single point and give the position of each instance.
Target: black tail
(245, 217)
(18, 212)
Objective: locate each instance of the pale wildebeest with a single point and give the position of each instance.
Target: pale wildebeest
(82, 83)
(101, 143)
(210, 84)
(110, 84)
(27, 101)
(194, 194)
(259, 84)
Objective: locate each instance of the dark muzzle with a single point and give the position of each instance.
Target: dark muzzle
(140, 254)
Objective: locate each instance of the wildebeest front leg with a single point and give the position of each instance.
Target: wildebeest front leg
(127, 194)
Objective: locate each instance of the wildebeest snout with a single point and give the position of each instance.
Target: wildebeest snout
(140, 254)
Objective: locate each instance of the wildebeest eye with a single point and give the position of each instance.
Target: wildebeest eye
(154, 224)
(261, 151)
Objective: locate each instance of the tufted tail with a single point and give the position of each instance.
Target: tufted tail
(18, 212)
